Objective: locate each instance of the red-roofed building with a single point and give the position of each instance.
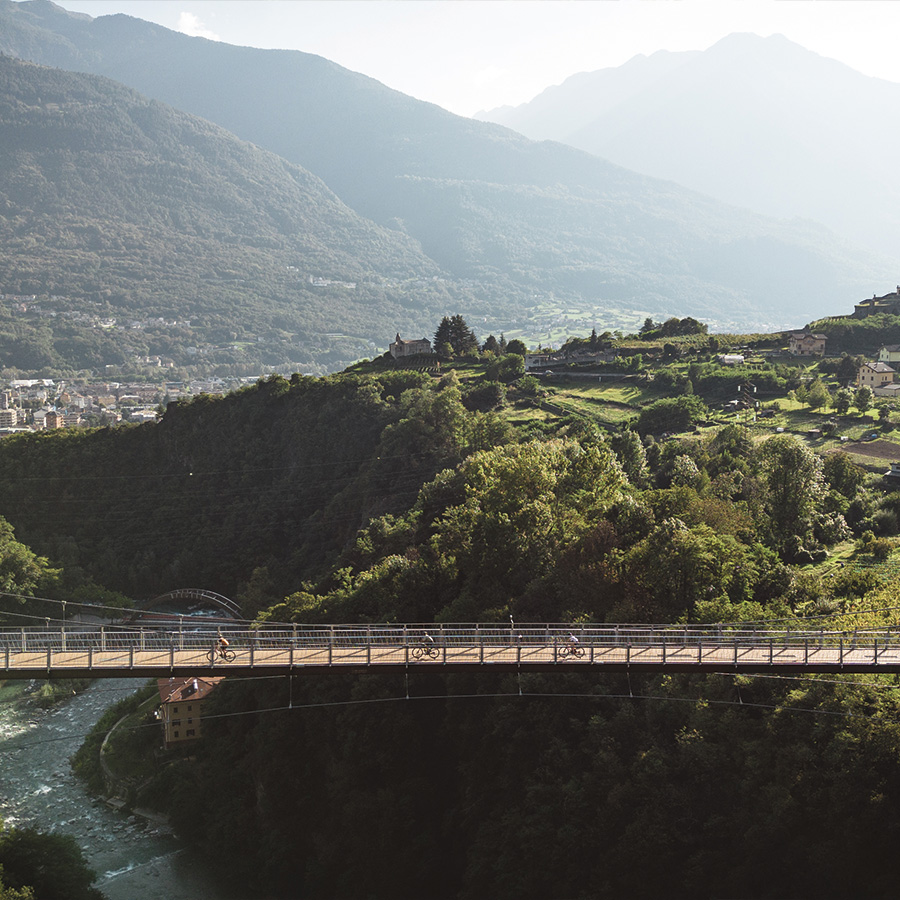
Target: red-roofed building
(182, 701)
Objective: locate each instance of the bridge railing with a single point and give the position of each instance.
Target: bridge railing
(197, 636)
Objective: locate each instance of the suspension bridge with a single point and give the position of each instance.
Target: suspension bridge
(188, 648)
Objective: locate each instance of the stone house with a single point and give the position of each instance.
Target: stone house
(402, 348)
(804, 343)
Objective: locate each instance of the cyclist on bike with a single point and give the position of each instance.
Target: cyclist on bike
(221, 645)
(427, 640)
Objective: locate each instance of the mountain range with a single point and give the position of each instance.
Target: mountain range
(120, 205)
(759, 122)
(517, 229)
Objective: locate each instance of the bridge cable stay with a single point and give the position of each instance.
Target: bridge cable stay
(809, 679)
(535, 695)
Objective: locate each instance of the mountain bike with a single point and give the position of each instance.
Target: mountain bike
(570, 649)
(425, 649)
(214, 655)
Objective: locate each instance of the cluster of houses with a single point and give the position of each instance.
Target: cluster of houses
(40, 403)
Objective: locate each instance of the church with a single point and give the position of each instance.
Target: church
(410, 348)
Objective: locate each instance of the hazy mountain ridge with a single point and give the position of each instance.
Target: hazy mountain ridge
(758, 122)
(108, 195)
(534, 223)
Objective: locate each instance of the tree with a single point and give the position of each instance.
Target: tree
(862, 399)
(817, 395)
(843, 399)
(462, 338)
(444, 350)
(631, 455)
(443, 335)
(842, 474)
(673, 415)
(516, 346)
(9, 893)
(491, 345)
(52, 864)
(529, 386)
(676, 566)
(847, 370)
(792, 475)
(506, 368)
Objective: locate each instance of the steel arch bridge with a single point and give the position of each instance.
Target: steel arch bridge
(271, 649)
(195, 595)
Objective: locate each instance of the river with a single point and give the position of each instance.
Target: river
(132, 857)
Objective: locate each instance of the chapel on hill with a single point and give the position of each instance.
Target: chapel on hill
(409, 348)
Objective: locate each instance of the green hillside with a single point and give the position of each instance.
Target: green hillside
(529, 223)
(390, 495)
(120, 208)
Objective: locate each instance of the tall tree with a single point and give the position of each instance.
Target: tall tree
(792, 475)
(862, 399)
(462, 338)
(444, 333)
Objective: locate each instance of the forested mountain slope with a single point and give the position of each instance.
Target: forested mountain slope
(279, 475)
(133, 209)
(522, 219)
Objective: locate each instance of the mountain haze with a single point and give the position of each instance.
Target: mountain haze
(527, 224)
(757, 122)
(145, 210)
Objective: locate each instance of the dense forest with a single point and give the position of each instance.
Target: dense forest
(391, 495)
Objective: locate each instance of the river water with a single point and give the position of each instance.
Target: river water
(132, 857)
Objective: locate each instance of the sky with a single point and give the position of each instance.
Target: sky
(474, 55)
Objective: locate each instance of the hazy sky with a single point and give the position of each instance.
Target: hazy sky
(469, 55)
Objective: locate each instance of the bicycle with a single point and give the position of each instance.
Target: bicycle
(425, 649)
(570, 649)
(214, 655)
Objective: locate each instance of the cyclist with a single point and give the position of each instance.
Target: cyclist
(427, 641)
(221, 645)
(570, 648)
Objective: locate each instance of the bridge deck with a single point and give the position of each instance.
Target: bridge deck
(69, 653)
